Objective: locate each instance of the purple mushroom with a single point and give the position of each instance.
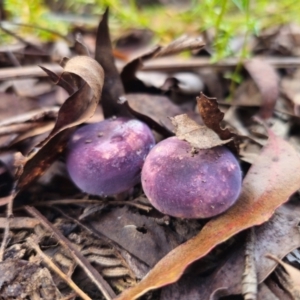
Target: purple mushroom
(106, 158)
(186, 185)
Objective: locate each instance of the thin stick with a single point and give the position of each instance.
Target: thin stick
(162, 64)
(4, 201)
(52, 266)
(19, 128)
(85, 201)
(43, 29)
(7, 225)
(91, 272)
(19, 222)
(5, 238)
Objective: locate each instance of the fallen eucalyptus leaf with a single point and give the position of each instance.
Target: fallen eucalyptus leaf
(271, 180)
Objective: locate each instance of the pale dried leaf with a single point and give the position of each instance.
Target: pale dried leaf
(266, 79)
(199, 137)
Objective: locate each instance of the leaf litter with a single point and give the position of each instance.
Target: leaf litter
(122, 244)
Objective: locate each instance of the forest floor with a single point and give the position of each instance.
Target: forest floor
(59, 241)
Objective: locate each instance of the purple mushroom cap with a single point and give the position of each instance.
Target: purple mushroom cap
(106, 158)
(186, 185)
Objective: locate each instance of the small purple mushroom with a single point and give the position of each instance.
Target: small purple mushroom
(106, 158)
(186, 185)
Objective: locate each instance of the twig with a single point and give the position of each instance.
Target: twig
(161, 64)
(20, 39)
(91, 272)
(43, 29)
(32, 244)
(85, 201)
(5, 238)
(9, 214)
(4, 201)
(19, 222)
(28, 71)
(19, 128)
(11, 202)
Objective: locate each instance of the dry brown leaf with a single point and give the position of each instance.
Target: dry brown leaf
(78, 108)
(267, 81)
(59, 80)
(74, 110)
(113, 87)
(199, 137)
(212, 116)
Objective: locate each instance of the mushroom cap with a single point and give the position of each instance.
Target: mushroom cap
(106, 158)
(186, 185)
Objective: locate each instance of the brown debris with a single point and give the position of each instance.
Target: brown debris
(199, 137)
(266, 78)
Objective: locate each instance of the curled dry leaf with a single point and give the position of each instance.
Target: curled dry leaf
(269, 183)
(199, 137)
(78, 108)
(59, 80)
(267, 81)
(212, 116)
